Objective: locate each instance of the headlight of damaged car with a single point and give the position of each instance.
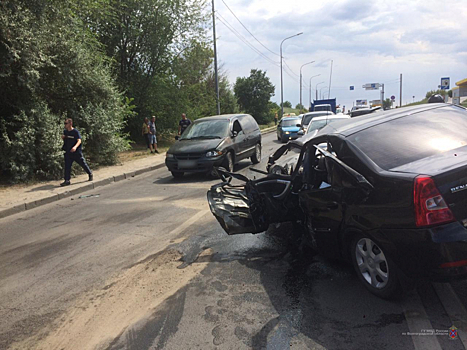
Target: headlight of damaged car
(169, 156)
(287, 132)
(213, 154)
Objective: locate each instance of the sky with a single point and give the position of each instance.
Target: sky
(368, 41)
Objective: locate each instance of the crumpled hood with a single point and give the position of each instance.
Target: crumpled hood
(194, 146)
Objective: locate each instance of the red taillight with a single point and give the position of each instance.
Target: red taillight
(454, 264)
(430, 207)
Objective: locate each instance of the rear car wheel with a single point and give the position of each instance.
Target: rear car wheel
(177, 174)
(374, 267)
(228, 162)
(256, 157)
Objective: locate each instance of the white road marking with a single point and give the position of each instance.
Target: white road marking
(417, 321)
(187, 223)
(455, 309)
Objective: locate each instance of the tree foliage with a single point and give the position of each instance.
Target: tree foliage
(387, 103)
(287, 104)
(53, 68)
(253, 94)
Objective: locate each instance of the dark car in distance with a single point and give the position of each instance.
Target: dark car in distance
(221, 140)
(385, 191)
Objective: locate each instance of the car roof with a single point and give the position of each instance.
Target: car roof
(220, 117)
(318, 112)
(356, 124)
(331, 116)
(351, 126)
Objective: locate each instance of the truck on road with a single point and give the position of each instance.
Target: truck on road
(324, 105)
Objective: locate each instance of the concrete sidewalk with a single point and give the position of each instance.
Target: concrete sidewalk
(18, 198)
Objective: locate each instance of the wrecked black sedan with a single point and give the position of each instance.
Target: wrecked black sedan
(388, 192)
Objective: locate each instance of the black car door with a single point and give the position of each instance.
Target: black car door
(323, 200)
(240, 140)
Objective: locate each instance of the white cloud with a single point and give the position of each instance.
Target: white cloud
(369, 41)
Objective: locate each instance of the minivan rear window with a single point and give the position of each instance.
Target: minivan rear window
(408, 139)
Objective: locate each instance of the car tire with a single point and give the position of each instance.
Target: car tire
(177, 174)
(374, 267)
(283, 140)
(229, 162)
(256, 157)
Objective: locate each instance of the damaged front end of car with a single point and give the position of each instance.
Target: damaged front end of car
(242, 205)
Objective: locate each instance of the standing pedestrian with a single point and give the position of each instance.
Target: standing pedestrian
(73, 151)
(152, 134)
(275, 118)
(183, 124)
(145, 131)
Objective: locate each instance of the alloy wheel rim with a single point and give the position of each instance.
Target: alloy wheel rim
(258, 152)
(372, 263)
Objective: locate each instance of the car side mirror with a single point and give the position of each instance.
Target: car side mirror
(177, 137)
(234, 133)
(298, 125)
(301, 133)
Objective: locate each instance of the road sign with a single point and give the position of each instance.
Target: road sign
(371, 86)
(352, 87)
(393, 97)
(444, 83)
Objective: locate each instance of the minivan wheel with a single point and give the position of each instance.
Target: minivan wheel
(177, 174)
(256, 157)
(228, 162)
(374, 267)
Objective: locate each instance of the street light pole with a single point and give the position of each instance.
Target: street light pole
(282, 83)
(320, 92)
(301, 80)
(316, 88)
(215, 59)
(314, 76)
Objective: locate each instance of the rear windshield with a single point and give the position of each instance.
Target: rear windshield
(415, 137)
(307, 117)
(291, 122)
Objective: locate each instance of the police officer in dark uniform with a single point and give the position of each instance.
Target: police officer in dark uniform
(73, 151)
(183, 124)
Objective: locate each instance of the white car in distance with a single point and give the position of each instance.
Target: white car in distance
(318, 123)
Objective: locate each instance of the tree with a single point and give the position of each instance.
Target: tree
(253, 94)
(287, 104)
(299, 106)
(147, 39)
(387, 103)
(53, 68)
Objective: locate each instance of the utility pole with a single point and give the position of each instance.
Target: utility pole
(215, 59)
(314, 76)
(282, 81)
(317, 88)
(382, 96)
(301, 80)
(400, 93)
(330, 76)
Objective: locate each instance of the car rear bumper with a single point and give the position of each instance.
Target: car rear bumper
(438, 253)
(202, 165)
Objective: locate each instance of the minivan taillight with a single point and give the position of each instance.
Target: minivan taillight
(430, 207)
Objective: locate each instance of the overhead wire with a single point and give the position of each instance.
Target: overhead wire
(246, 42)
(248, 30)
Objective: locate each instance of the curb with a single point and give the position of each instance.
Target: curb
(116, 178)
(34, 204)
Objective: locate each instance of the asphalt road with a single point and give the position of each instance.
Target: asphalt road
(142, 264)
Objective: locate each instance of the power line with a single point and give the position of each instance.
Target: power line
(248, 30)
(245, 41)
(289, 67)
